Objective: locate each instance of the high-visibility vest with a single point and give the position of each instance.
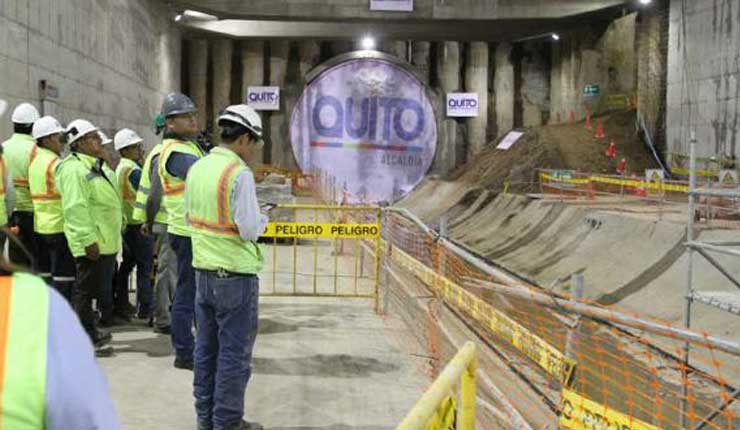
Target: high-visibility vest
(145, 185)
(128, 193)
(19, 151)
(216, 241)
(174, 187)
(3, 191)
(47, 202)
(24, 321)
(91, 205)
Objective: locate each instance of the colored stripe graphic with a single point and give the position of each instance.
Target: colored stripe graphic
(367, 146)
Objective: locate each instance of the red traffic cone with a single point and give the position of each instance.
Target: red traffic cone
(600, 133)
(588, 122)
(572, 118)
(611, 151)
(622, 167)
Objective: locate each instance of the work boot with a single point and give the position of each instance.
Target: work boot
(183, 364)
(245, 425)
(163, 329)
(101, 338)
(104, 351)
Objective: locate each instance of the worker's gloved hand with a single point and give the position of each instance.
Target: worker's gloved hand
(92, 252)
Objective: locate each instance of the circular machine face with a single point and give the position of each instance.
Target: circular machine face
(370, 125)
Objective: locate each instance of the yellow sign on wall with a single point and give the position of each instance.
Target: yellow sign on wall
(580, 413)
(308, 230)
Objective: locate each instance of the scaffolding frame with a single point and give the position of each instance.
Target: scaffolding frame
(723, 300)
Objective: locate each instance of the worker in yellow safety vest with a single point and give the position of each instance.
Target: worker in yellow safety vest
(226, 221)
(91, 207)
(148, 211)
(7, 190)
(18, 152)
(179, 153)
(137, 247)
(48, 222)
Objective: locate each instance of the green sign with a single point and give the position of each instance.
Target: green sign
(591, 90)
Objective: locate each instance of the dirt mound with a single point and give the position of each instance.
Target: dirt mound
(562, 146)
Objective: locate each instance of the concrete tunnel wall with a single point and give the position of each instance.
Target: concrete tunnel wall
(111, 60)
(520, 85)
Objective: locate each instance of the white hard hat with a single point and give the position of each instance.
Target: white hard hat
(104, 139)
(25, 113)
(78, 129)
(46, 126)
(244, 115)
(125, 138)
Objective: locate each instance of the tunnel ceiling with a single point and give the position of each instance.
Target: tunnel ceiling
(424, 10)
(492, 30)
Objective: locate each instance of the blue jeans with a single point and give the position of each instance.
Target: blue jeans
(226, 313)
(183, 305)
(138, 250)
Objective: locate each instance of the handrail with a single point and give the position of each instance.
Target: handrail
(460, 369)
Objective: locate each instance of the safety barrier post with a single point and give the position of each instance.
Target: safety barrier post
(461, 369)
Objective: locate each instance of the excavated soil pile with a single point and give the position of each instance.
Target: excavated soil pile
(561, 146)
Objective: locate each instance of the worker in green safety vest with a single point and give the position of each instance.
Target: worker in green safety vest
(179, 153)
(48, 221)
(18, 152)
(226, 221)
(92, 214)
(149, 212)
(137, 246)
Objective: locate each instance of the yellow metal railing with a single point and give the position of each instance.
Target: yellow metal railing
(433, 405)
(324, 254)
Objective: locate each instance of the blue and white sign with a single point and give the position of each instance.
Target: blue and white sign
(392, 5)
(264, 98)
(462, 105)
(369, 124)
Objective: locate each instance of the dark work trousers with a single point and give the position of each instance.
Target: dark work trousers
(92, 277)
(183, 306)
(226, 311)
(27, 237)
(61, 263)
(138, 250)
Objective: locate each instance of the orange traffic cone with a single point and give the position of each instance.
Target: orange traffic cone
(600, 133)
(611, 151)
(622, 167)
(588, 122)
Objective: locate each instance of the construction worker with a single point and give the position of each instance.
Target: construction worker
(92, 214)
(149, 212)
(18, 151)
(48, 222)
(222, 209)
(179, 153)
(49, 378)
(137, 247)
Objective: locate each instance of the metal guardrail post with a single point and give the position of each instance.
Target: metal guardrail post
(461, 369)
(690, 270)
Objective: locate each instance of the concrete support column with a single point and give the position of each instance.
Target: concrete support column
(476, 81)
(170, 56)
(197, 76)
(280, 150)
(449, 148)
(310, 55)
(253, 72)
(223, 51)
(504, 89)
(420, 58)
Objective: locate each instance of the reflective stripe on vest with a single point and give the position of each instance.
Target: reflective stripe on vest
(24, 320)
(128, 193)
(3, 191)
(217, 243)
(47, 202)
(142, 194)
(174, 187)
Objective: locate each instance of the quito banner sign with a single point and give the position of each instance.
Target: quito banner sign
(369, 124)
